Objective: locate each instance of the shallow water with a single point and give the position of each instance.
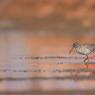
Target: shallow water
(40, 62)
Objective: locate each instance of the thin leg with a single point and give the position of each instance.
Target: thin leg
(86, 59)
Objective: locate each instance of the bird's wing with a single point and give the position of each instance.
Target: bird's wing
(90, 47)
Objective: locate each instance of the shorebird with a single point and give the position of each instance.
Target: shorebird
(84, 49)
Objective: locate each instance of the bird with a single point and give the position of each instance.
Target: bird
(83, 49)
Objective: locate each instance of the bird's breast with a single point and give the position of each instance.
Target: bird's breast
(83, 50)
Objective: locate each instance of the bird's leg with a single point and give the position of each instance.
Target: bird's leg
(87, 58)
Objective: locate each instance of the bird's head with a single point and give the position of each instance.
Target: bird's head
(74, 45)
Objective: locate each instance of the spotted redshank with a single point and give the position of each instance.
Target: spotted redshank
(84, 49)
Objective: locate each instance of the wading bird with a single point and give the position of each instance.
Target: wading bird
(84, 49)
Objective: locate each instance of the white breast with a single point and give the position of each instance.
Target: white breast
(83, 50)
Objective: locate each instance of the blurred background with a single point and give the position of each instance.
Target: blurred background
(35, 38)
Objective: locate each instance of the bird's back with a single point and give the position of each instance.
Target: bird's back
(91, 47)
(86, 49)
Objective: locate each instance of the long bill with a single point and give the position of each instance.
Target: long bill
(71, 50)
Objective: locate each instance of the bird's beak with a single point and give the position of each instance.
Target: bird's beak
(71, 50)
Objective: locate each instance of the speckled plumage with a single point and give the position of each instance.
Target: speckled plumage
(84, 49)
